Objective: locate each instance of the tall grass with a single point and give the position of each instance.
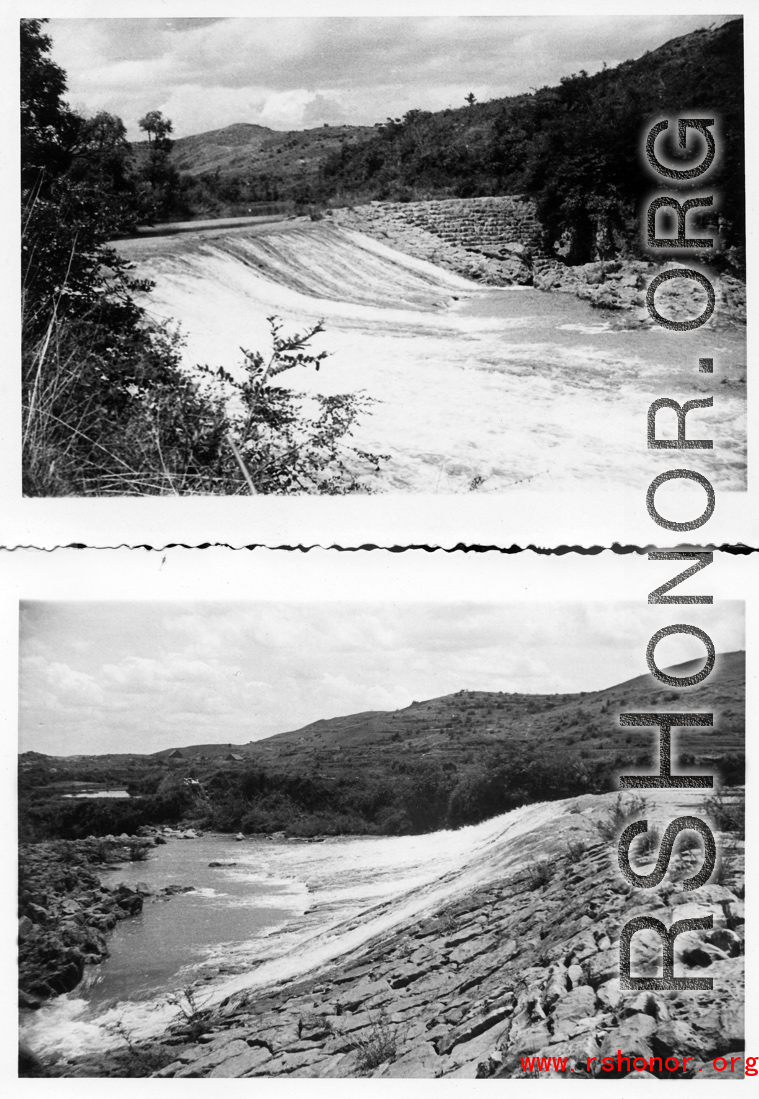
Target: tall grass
(110, 410)
(110, 413)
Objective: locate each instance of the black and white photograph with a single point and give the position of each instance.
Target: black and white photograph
(432, 266)
(378, 542)
(324, 836)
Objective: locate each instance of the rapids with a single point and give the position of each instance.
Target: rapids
(304, 904)
(476, 387)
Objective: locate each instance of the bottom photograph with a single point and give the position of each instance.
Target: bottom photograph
(289, 830)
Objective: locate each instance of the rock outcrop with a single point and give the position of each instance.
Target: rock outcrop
(524, 965)
(65, 913)
(489, 240)
(499, 242)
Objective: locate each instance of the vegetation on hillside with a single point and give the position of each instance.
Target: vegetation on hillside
(575, 148)
(107, 407)
(444, 763)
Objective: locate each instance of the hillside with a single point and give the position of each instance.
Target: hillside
(453, 726)
(444, 762)
(246, 163)
(574, 148)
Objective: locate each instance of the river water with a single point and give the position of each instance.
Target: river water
(495, 387)
(284, 909)
(287, 909)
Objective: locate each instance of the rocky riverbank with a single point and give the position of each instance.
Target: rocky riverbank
(481, 251)
(525, 965)
(65, 913)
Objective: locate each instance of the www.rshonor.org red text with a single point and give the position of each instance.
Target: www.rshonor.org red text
(640, 1064)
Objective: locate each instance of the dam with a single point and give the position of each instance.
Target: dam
(475, 388)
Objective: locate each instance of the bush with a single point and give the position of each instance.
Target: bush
(108, 410)
(540, 874)
(621, 813)
(727, 812)
(379, 1045)
(138, 852)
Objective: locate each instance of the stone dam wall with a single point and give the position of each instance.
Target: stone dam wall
(478, 224)
(498, 241)
(493, 240)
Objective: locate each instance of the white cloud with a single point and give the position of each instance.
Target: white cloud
(293, 72)
(146, 676)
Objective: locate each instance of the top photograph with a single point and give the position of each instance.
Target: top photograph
(447, 266)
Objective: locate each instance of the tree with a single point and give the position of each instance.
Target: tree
(471, 99)
(102, 153)
(159, 172)
(157, 128)
(48, 127)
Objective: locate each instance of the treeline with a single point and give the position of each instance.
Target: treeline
(575, 148)
(107, 407)
(421, 796)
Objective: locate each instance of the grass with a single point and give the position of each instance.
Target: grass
(113, 413)
(727, 812)
(540, 874)
(622, 812)
(379, 1045)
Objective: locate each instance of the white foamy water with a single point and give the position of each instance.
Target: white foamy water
(340, 893)
(514, 387)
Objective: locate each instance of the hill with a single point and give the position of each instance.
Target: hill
(228, 170)
(443, 762)
(455, 725)
(575, 148)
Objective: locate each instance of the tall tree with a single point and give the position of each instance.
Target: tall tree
(48, 127)
(102, 153)
(158, 129)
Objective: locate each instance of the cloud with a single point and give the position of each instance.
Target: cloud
(291, 72)
(148, 676)
(322, 109)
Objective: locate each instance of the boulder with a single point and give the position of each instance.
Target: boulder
(37, 914)
(727, 941)
(578, 1004)
(27, 1002)
(631, 1039)
(677, 1038)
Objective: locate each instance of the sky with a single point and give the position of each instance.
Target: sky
(141, 677)
(297, 73)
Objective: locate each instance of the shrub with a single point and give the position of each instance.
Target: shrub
(647, 845)
(194, 1019)
(728, 812)
(620, 814)
(540, 874)
(109, 410)
(138, 852)
(379, 1045)
(576, 849)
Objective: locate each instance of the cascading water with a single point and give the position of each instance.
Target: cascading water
(473, 385)
(285, 909)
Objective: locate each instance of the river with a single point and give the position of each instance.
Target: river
(284, 909)
(287, 909)
(474, 387)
